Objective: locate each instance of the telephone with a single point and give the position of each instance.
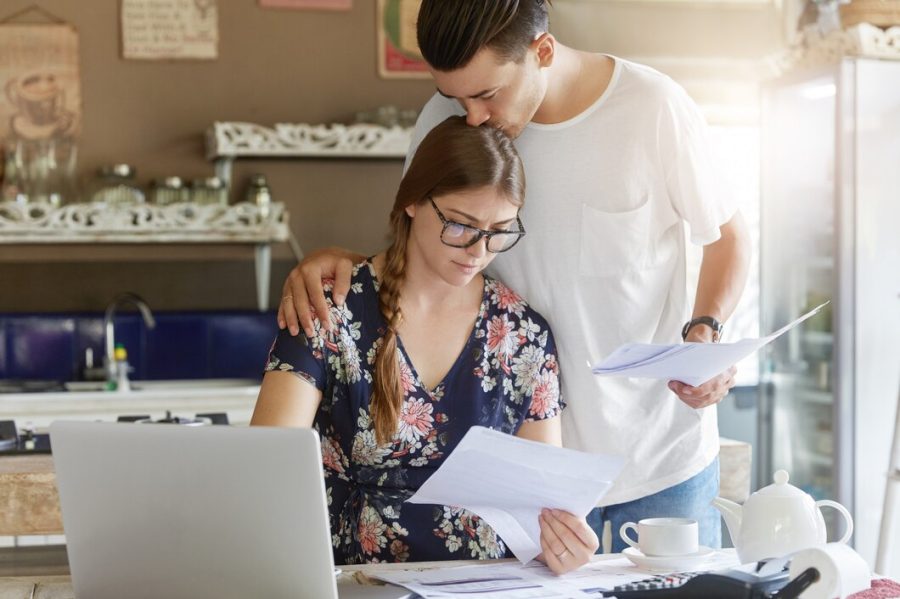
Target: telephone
(726, 584)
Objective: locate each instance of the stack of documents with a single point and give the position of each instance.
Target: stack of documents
(506, 481)
(691, 363)
(505, 580)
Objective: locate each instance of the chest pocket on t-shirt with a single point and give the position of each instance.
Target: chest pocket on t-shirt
(614, 243)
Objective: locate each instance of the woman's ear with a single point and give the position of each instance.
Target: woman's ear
(411, 210)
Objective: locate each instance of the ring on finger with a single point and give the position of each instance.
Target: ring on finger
(287, 298)
(562, 554)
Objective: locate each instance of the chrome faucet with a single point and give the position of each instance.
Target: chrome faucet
(112, 372)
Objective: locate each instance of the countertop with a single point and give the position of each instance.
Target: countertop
(40, 409)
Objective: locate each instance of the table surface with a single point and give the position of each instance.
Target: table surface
(43, 573)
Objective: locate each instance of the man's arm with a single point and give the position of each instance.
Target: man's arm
(723, 275)
(302, 295)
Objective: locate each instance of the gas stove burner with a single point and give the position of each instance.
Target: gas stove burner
(169, 419)
(27, 443)
(198, 420)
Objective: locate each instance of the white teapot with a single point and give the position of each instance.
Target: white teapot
(777, 520)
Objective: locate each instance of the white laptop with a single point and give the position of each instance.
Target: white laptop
(156, 510)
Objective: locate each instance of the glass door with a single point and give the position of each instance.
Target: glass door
(798, 272)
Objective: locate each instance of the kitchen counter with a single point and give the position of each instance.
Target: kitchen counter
(186, 399)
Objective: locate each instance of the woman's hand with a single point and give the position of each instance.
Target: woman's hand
(568, 542)
(302, 291)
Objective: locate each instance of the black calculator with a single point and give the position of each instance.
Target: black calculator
(725, 584)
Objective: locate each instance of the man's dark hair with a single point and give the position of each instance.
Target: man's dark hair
(451, 32)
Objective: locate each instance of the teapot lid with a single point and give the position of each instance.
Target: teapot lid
(781, 488)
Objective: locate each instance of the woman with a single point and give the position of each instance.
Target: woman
(423, 348)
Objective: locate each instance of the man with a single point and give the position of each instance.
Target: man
(616, 160)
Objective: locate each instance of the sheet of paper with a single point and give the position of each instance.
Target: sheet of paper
(507, 481)
(511, 580)
(691, 363)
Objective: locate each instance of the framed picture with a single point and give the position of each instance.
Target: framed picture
(40, 82)
(398, 51)
(311, 4)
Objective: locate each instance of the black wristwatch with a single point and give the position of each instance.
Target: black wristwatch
(716, 326)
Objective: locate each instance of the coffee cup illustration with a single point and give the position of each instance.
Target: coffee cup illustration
(40, 103)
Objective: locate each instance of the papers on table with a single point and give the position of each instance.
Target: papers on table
(507, 481)
(511, 580)
(691, 363)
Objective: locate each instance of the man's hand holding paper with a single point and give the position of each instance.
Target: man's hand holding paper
(689, 363)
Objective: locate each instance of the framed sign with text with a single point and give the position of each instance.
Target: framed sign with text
(170, 29)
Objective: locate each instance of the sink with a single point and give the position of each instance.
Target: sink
(166, 385)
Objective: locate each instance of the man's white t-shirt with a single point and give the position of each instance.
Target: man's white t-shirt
(604, 259)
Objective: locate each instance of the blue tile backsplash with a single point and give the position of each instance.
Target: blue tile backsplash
(184, 345)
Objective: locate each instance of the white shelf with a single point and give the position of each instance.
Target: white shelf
(815, 458)
(186, 222)
(822, 263)
(818, 337)
(301, 140)
(150, 224)
(814, 396)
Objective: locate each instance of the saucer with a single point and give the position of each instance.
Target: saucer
(30, 130)
(669, 563)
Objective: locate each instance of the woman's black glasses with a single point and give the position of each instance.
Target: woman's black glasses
(459, 235)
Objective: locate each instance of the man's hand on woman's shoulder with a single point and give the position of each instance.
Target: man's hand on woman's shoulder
(302, 294)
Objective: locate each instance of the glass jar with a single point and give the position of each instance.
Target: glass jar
(170, 190)
(259, 194)
(116, 186)
(210, 190)
(40, 170)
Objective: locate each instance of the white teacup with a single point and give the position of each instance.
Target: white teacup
(663, 536)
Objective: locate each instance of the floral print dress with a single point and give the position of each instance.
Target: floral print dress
(507, 374)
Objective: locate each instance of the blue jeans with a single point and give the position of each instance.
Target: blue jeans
(690, 499)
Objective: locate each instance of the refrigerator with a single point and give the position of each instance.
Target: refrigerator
(830, 231)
